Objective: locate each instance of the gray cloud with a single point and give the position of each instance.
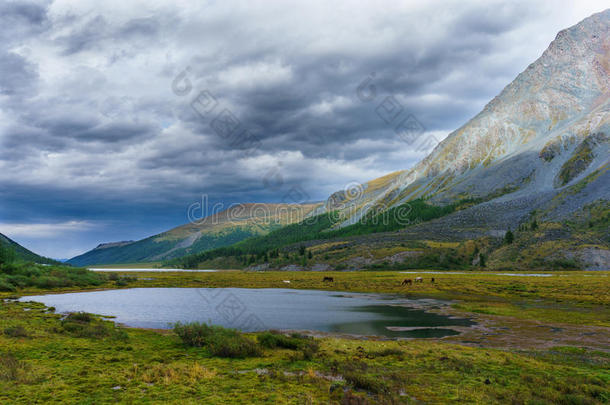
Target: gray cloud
(91, 131)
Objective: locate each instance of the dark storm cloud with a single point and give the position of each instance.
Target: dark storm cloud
(92, 133)
(85, 37)
(17, 75)
(19, 19)
(115, 132)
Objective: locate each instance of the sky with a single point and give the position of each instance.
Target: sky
(117, 116)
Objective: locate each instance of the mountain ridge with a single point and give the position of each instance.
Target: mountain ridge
(537, 151)
(222, 228)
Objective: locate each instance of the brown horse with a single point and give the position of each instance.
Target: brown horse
(328, 279)
(419, 279)
(432, 280)
(407, 281)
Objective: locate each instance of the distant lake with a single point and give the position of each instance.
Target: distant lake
(151, 270)
(261, 309)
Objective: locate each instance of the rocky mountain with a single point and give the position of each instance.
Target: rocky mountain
(219, 229)
(536, 154)
(542, 144)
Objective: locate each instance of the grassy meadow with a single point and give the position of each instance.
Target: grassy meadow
(512, 357)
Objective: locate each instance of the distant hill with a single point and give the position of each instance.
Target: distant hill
(23, 253)
(221, 229)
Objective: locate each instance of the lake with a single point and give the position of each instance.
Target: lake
(144, 270)
(262, 309)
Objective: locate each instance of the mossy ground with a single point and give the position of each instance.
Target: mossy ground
(50, 365)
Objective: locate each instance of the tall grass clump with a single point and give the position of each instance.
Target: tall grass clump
(17, 331)
(307, 345)
(85, 325)
(219, 341)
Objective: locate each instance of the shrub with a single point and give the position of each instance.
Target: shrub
(16, 331)
(310, 350)
(122, 281)
(366, 382)
(82, 317)
(219, 341)
(509, 237)
(21, 274)
(307, 345)
(85, 325)
(6, 286)
(194, 334)
(272, 340)
(237, 346)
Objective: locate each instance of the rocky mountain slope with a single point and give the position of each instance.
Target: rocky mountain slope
(538, 152)
(542, 144)
(220, 229)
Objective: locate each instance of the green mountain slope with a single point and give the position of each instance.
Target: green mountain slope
(320, 227)
(22, 253)
(221, 229)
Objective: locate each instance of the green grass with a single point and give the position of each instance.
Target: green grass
(52, 365)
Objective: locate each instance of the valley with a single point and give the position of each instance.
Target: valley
(479, 274)
(527, 329)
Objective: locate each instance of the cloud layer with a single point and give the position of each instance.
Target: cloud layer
(104, 106)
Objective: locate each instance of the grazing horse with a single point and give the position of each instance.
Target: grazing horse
(419, 279)
(432, 280)
(329, 279)
(407, 281)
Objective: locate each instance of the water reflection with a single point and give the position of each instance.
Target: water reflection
(284, 309)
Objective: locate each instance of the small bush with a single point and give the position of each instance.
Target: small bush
(5, 285)
(16, 331)
(219, 341)
(121, 282)
(82, 317)
(195, 334)
(366, 382)
(125, 280)
(272, 340)
(310, 350)
(308, 346)
(237, 346)
(85, 325)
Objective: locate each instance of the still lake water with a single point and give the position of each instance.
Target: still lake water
(144, 270)
(260, 309)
